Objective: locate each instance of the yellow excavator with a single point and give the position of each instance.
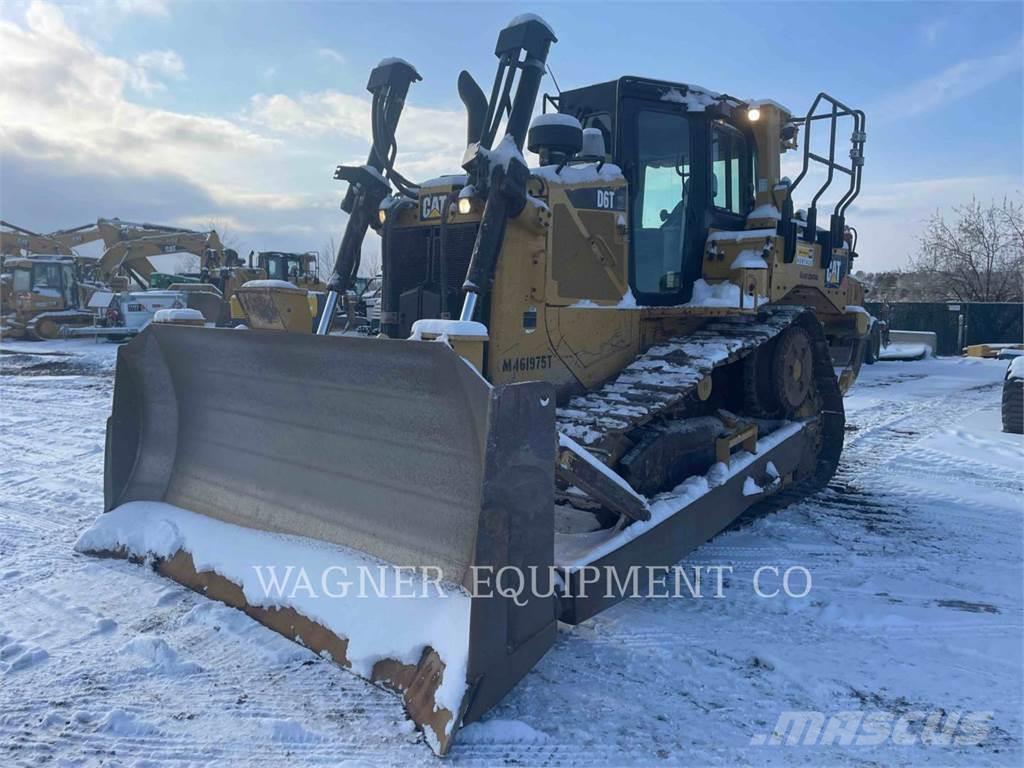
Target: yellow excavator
(590, 366)
(48, 291)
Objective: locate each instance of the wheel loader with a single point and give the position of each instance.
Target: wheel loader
(590, 366)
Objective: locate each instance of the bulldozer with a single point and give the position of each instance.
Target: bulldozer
(589, 366)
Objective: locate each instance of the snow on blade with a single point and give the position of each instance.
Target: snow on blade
(377, 627)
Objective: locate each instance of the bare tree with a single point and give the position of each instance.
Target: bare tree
(369, 264)
(185, 263)
(977, 257)
(325, 259)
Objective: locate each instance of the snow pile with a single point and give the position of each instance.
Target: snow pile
(121, 723)
(696, 99)
(504, 153)
(1016, 369)
(396, 60)
(724, 294)
(556, 118)
(270, 284)
(749, 259)
(579, 174)
(751, 488)
(734, 235)
(159, 657)
(766, 211)
(628, 301)
(395, 617)
(178, 316)
(445, 329)
(525, 17)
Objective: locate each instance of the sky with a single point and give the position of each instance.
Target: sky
(235, 114)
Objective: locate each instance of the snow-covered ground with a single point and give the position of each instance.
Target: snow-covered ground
(916, 608)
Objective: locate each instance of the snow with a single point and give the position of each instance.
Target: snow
(177, 315)
(766, 211)
(504, 153)
(564, 441)
(525, 17)
(433, 615)
(904, 351)
(628, 301)
(556, 118)
(1016, 368)
(448, 328)
(396, 60)
(751, 488)
(740, 234)
(576, 551)
(769, 103)
(749, 259)
(696, 99)
(723, 294)
(270, 284)
(915, 550)
(584, 173)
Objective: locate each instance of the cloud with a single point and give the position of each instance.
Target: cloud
(77, 143)
(933, 29)
(329, 54)
(430, 141)
(143, 7)
(72, 140)
(951, 84)
(166, 63)
(889, 216)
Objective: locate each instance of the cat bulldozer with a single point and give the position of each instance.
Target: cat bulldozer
(591, 366)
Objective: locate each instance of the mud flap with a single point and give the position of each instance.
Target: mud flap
(396, 449)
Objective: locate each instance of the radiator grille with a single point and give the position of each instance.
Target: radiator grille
(415, 260)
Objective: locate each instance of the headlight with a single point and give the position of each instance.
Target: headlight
(382, 215)
(753, 114)
(465, 205)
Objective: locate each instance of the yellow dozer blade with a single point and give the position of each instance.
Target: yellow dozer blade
(397, 452)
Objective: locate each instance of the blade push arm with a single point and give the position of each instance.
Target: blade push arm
(368, 184)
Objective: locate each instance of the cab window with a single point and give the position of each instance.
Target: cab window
(47, 276)
(729, 185)
(23, 280)
(659, 204)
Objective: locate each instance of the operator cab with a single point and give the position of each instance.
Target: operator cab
(689, 157)
(288, 266)
(48, 276)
